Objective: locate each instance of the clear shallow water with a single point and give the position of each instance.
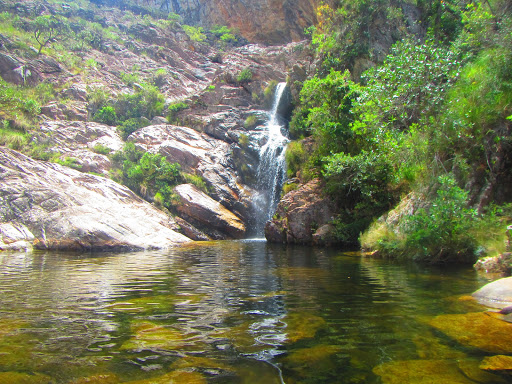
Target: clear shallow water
(223, 312)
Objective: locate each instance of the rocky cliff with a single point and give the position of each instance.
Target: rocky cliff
(215, 135)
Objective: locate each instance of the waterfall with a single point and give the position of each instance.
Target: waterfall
(271, 171)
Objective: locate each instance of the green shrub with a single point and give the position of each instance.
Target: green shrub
(243, 141)
(101, 149)
(106, 115)
(196, 180)
(296, 158)
(173, 109)
(194, 33)
(131, 125)
(251, 122)
(244, 76)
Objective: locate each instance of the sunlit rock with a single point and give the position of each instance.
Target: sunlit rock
(482, 330)
(497, 294)
(66, 209)
(198, 207)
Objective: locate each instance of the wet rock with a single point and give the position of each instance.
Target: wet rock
(299, 215)
(24, 378)
(107, 378)
(499, 363)
(318, 359)
(497, 294)
(66, 209)
(421, 372)
(150, 336)
(208, 213)
(175, 377)
(482, 330)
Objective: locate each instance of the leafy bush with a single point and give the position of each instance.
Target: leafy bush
(194, 33)
(148, 174)
(173, 109)
(131, 125)
(106, 115)
(244, 76)
(250, 122)
(101, 149)
(296, 158)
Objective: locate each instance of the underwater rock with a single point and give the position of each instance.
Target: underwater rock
(151, 336)
(23, 378)
(302, 326)
(107, 378)
(482, 330)
(176, 377)
(499, 363)
(421, 372)
(305, 360)
(497, 294)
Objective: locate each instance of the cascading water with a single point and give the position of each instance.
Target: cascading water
(272, 166)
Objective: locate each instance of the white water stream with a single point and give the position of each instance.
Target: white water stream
(272, 166)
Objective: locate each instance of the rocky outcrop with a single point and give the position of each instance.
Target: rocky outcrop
(201, 154)
(48, 206)
(302, 217)
(210, 215)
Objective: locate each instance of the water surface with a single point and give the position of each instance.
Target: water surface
(222, 312)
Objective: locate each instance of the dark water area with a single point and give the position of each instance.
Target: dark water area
(226, 312)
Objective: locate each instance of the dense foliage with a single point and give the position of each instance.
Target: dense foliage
(433, 117)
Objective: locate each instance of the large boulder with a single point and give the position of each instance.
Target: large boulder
(48, 206)
(497, 294)
(215, 220)
(302, 217)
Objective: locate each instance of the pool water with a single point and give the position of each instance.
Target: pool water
(232, 312)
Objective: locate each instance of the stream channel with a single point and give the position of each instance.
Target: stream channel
(227, 312)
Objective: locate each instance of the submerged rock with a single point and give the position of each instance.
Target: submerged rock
(499, 363)
(55, 207)
(482, 330)
(421, 372)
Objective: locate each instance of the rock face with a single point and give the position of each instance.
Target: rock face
(48, 206)
(302, 217)
(210, 215)
(268, 21)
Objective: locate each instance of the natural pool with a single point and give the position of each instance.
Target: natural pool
(231, 312)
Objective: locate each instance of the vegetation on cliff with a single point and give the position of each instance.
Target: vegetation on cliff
(432, 118)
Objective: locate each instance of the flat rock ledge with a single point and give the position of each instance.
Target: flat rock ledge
(48, 206)
(497, 294)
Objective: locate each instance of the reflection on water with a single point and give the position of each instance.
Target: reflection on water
(223, 312)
